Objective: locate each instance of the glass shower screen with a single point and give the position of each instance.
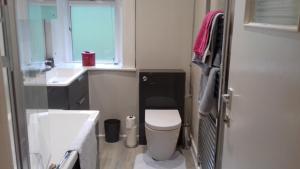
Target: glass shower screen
(30, 20)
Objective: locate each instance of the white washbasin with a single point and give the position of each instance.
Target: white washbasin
(54, 80)
(63, 76)
(55, 77)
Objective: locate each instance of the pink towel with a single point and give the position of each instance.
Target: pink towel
(204, 33)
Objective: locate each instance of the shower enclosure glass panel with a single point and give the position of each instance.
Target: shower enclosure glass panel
(30, 20)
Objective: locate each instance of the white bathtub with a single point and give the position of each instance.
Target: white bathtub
(63, 128)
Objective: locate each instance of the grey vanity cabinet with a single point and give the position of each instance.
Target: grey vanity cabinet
(72, 97)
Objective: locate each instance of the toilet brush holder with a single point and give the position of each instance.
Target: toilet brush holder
(186, 144)
(131, 130)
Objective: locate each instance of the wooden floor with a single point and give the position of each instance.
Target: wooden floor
(117, 156)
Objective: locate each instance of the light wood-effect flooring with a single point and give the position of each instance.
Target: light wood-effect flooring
(117, 156)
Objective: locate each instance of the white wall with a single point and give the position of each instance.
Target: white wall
(200, 9)
(164, 33)
(164, 37)
(115, 94)
(163, 40)
(128, 38)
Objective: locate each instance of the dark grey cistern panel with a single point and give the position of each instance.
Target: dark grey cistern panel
(160, 89)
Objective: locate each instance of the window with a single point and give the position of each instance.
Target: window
(36, 31)
(104, 26)
(280, 13)
(39, 13)
(93, 28)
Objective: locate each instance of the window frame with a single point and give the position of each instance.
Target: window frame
(118, 28)
(249, 20)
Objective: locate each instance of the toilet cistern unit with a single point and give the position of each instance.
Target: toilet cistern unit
(162, 131)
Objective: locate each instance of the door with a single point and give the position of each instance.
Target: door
(264, 130)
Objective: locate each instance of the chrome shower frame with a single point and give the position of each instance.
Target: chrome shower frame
(15, 80)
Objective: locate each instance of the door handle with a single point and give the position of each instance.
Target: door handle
(227, 99)
(80, 78)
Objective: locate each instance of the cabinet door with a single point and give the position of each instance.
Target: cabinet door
(58, 98)
(79, 93)
(81, 103)
(78, 88)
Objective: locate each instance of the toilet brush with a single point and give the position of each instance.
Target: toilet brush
(187, 141)
(186, 136)
(186, 130)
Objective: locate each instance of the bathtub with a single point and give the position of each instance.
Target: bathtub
(58, 131)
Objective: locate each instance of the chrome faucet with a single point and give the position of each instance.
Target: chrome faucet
(49, 64)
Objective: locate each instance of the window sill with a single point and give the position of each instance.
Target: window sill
(105, 67)
(111, 67)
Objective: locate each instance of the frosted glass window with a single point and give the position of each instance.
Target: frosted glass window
(278, 12)
(37, 15)
(37, 34)
(93, 29)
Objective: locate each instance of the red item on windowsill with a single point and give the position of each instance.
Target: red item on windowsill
(88, 58)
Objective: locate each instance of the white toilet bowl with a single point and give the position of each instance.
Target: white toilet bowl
(162, 131)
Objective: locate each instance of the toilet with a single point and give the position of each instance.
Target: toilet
(162, 131)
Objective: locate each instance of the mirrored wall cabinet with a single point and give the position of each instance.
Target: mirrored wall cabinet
(273, 14)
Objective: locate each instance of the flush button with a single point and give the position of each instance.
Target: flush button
(145, 78)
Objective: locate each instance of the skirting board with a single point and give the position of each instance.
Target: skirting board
(122, 135)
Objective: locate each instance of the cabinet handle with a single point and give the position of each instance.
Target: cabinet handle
(81, 101)
(80, 78)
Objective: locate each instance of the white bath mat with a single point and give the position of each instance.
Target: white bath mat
(144, 161)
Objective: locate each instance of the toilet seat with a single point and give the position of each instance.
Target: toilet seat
(162, 120)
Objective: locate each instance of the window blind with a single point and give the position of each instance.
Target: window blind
(279, 12)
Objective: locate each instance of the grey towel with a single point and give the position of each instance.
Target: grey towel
(205, 68)
(206, 99)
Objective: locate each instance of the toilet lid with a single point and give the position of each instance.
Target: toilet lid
(162, 119)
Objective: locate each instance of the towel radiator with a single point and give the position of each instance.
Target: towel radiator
(208, 132)
(207, 142)
(207, 138)
(209, 122)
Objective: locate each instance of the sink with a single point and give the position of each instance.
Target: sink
(55, 77)
(63, 76)
(56, 80)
